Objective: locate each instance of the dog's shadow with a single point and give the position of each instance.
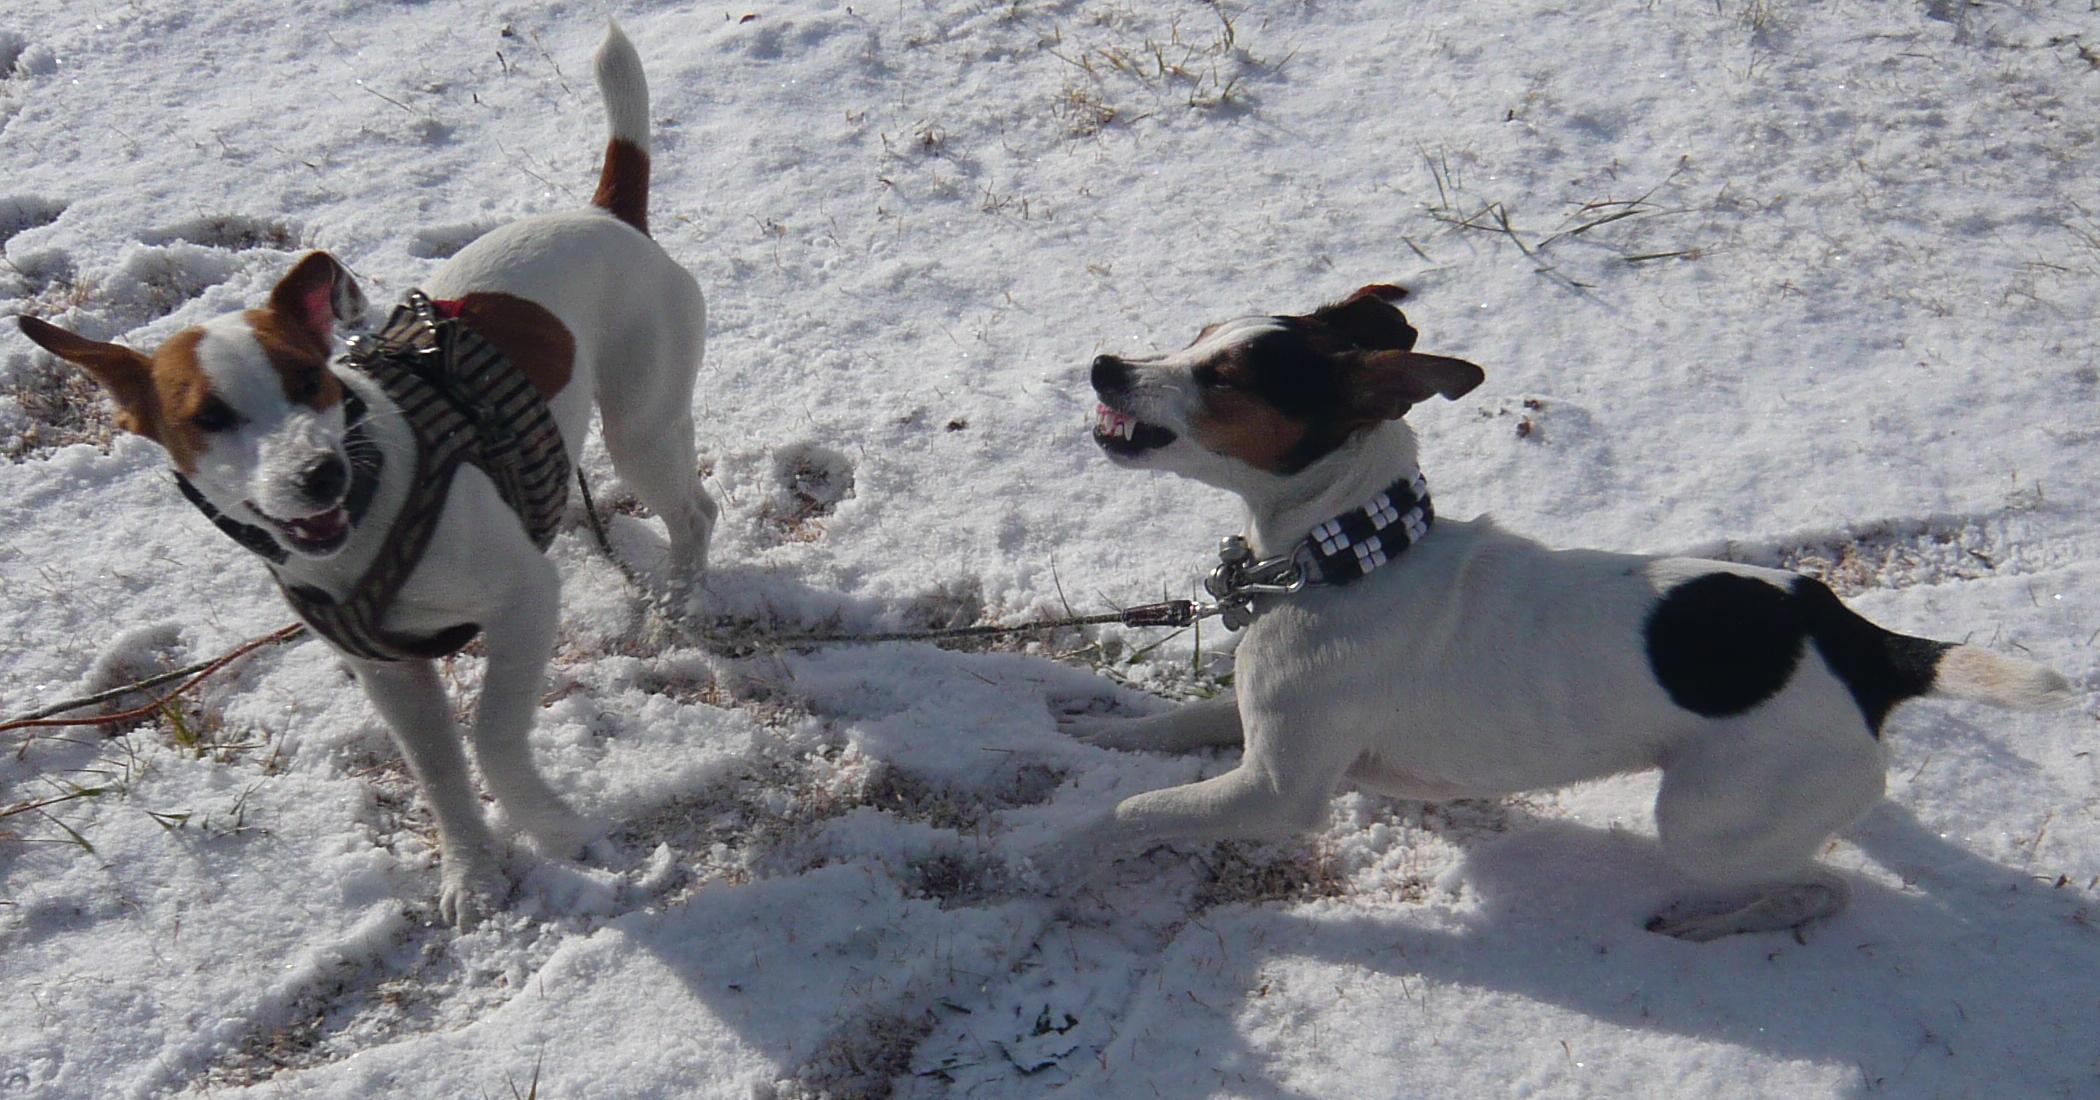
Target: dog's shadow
(1972, 979)
(740, 609)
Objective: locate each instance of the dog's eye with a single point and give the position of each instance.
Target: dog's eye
(303, 388)
(215, 415)
(1211, 378)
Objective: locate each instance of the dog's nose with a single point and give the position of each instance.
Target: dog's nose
(325, 479)
(1111, 375)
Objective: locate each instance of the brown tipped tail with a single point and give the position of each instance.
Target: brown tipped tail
(623, 183)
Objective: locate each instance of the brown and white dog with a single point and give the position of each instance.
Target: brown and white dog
(1468, 662)
(249, 408)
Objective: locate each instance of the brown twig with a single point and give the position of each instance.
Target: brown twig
(197, 674)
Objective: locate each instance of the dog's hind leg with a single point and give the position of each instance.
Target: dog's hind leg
(645, 400)
(1199, 725)
(409, 696)
(657, 461)
(519, 639)
(1747, 810)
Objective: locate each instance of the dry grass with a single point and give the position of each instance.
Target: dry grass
(233, 232)
(861, 1062)
(1082, 111)
(1201, 62)
(1902, 554)
(61, 406)
(1250, 874)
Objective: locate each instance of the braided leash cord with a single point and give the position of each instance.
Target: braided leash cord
(1172, 613)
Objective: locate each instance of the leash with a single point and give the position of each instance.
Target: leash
(1169, 613)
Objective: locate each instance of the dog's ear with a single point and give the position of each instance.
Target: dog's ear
(1369, 319)
(316, 293)
(127, 375)
(1385, 384)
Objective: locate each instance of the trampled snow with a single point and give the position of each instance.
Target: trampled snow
(1802, 284)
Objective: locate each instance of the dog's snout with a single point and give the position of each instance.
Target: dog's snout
(324, 479)
(1111, 375)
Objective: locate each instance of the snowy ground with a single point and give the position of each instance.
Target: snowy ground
(1809, 284)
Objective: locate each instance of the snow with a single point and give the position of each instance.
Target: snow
(1801, 284)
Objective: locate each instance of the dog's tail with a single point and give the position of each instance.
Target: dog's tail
(1883, 668)
(1973, 672)
(623, 183)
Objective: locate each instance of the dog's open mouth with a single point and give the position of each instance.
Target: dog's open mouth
(1124, 435)
(315, 534)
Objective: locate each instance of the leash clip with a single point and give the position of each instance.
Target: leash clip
(1238, 578)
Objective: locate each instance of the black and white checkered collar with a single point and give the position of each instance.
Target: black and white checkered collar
(1351, 545)
(1337, 551)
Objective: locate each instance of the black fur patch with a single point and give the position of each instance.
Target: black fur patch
(1369, 321)
(1300, 370)
(1303, 368)
(1881, 667)
(1723, 643)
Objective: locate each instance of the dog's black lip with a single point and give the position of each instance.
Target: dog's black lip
(1145, 437)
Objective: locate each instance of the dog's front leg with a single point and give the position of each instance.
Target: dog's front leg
(520, 637)
(1271, 793)
(1202, 724)
(410, 697)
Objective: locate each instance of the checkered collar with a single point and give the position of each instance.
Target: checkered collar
(1351, 545)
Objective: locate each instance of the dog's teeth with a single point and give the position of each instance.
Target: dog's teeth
(1110, 424)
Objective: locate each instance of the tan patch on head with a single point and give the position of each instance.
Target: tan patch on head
(300, 360)
(156, 396)
(534, 340)
(1237, 424)
(180, 389)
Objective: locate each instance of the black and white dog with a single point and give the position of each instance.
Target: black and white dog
(1437, 659)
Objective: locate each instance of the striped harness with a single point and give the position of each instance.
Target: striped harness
(463, 403)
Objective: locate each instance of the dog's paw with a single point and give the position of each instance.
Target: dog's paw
(568, 835)
(1695, 929)
(1101, 730)
(685, 566)
(1788, 908)
(471, 888)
